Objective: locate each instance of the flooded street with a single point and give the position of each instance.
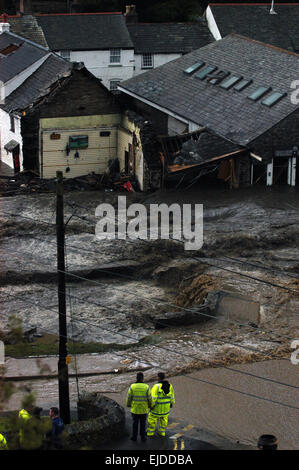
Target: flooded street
(119, 290)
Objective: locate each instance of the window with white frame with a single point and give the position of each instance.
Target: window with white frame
(65, 55)
(147, 61)
(114, 56)
(113, 84)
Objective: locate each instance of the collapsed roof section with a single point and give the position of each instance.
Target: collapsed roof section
(194, 150)
(199, 97)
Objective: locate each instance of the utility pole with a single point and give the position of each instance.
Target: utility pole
(63, 377)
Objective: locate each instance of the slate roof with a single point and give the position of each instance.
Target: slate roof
(80, 32)
(228, 113)
(19, 60)
(27, 27)
(255, 21)
(169, 38)
(38, 84)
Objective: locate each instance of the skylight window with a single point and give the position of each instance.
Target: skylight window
(231, 81)
(218, 77)
(206, 71)
(257, 94)
(9, 49)
(242, 84)
(273, 98)
(194, 67)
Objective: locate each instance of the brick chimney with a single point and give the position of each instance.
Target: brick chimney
(25, 7)
(4, 25)
(131, 15)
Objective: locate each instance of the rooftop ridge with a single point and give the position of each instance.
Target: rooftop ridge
(270, 46)
(32, 43)
(251, 4)
(81, 14)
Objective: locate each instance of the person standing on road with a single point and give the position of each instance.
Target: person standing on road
(57, 428)
(162, 397)
(139, 400)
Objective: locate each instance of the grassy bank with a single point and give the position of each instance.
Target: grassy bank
(49, 345)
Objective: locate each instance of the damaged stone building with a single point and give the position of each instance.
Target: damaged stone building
(58, 116)
(248, 106)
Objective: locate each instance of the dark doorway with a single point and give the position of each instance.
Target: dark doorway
(16, 159)
(126, 162)
(280, 170)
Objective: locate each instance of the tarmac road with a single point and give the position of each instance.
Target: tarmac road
(239, 417)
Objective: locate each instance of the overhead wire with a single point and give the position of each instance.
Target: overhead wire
(101, 305)
(131, 337)
(153, 299)
(215, 384)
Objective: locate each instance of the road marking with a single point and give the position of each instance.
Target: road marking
(187, 428)
(176, 436)
(175, 447)
(173, 425)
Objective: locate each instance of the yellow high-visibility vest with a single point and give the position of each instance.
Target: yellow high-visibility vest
(3, 442)
(24, 414)
(139, 398)
(161, 401)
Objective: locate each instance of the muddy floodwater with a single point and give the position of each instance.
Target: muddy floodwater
(121, 292)
(115, 287)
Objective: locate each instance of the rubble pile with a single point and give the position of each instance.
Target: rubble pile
(197, 291)
(29, 182)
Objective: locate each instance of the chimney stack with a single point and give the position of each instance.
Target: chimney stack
(131, 15)
(4, 25)
(25, 7)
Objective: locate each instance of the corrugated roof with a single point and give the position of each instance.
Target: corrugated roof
(228, 113)
(169, 37)
(19, 60)
(255, 21)
(85, 31)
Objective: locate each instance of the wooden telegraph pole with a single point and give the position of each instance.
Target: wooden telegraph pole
(63, 377)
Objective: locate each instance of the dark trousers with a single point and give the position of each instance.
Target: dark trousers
(141, 421)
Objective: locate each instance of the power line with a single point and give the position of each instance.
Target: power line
(95, 303)
(200, 259)
(152, 300)
(211, 383)
(185, 256)
(131, 337)
(192, 257)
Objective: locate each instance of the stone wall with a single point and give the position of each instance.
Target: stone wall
(101, 420)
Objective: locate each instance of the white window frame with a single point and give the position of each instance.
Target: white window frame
(145, 62)
(115, 56)
(65, 54)
(114, 80)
